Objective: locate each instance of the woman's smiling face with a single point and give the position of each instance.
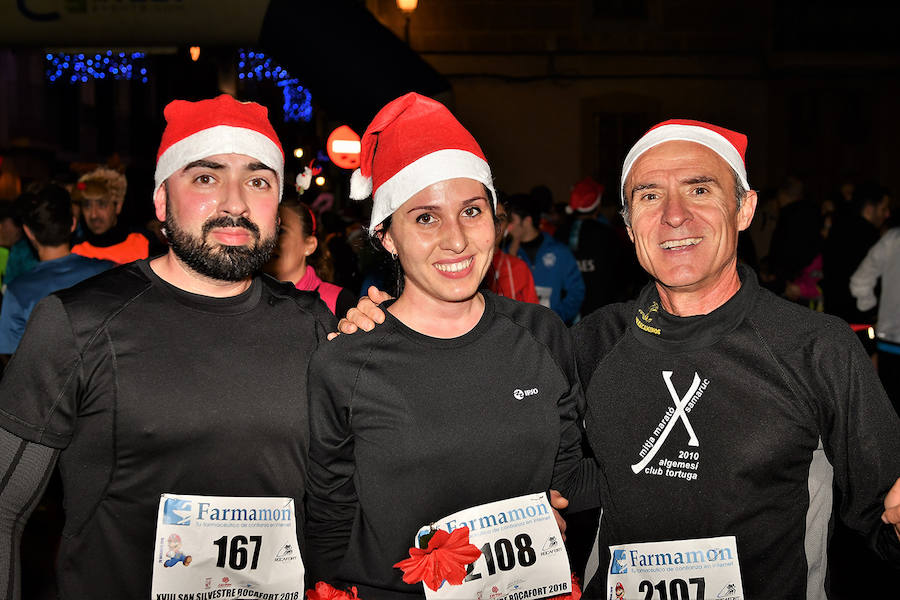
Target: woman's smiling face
(444, 238)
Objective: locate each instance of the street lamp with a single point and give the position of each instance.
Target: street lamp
(407, 6)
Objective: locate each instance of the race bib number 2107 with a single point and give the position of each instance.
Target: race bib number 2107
(698, 569)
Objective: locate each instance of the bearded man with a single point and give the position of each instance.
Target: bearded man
(184, 374)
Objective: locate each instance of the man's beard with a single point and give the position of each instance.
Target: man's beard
(221, 262)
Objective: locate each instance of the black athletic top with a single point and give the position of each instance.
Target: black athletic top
(407, 428)
(147, 389)
(603, 259)
(782, 402)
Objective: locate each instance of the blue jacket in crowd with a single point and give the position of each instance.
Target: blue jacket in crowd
(555, 271)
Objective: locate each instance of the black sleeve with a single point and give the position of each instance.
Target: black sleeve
(309, 302)
(345, 301)
(325, 321)
(25, 470)
(860, 434)
(574, 476)
(39, 389)
(331, 500)
(595, 336)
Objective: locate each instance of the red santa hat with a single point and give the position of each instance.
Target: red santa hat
(585, 196)
(730, 145)
(222, 125)
(412, 143)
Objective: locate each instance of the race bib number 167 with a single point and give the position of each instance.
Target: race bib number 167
(210, 547)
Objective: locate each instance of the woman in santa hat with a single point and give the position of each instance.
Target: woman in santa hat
(461, 397)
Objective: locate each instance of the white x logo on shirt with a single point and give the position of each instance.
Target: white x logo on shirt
(679, 414)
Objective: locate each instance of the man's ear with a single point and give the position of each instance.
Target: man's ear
(29, 234)
(747, 210)
(119, 204)
(74, 224)
(630, 233)
(159, 203)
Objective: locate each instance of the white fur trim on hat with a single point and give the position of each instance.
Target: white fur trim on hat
(419, 174)
(688, 133)
(586, 209)
(221, 139)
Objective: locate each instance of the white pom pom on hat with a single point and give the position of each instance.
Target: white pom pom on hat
(411, 143)
(360, 187)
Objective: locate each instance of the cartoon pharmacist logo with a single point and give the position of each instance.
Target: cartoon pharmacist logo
(619, 562)
(177, 512)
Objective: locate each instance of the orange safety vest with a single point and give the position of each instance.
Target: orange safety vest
(134, 247)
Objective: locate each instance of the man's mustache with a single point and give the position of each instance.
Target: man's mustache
(223, 221)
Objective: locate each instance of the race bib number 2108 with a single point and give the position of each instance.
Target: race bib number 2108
(522, 552)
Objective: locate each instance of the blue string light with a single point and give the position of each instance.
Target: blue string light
(255, 65)
(102, 65)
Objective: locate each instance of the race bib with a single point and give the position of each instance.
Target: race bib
(522, 552)
(681, 570)
(226, 547)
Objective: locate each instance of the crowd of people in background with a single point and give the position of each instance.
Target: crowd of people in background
(810, 251)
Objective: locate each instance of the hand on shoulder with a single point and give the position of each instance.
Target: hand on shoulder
(365, 316)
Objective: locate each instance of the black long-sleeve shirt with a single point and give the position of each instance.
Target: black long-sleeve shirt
(407, 428)
(142, 388)
(782, 403)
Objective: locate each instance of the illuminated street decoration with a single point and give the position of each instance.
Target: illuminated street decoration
(84, 67)
(256, 65)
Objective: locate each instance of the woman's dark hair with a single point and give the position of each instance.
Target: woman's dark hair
(376, 237)
(320, 259)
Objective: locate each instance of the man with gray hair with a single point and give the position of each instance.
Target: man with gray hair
(721, 414)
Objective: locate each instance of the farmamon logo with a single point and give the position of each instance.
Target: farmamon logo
(181, 511)
(619, 562)
(633, 558)
(177, 511)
